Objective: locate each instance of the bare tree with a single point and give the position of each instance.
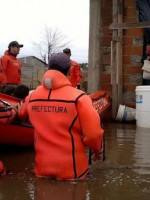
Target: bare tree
(52, 41)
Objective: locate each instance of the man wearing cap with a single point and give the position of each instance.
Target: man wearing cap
(65, 123)
(75, 71)
(10, 66)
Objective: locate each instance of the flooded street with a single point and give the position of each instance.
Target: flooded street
(124, 175)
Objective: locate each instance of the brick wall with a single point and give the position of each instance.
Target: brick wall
(132, 51)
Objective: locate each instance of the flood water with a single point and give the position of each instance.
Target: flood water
(125, 175)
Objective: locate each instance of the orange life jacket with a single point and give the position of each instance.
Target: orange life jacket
(65, 123)
(75, 74)
(10, 69)
(7, 113)
(2, 169)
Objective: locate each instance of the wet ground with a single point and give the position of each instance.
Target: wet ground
(125, 175)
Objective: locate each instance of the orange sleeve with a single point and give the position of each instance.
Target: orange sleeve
(23, 110)
(4, 62)
(78, 73)
(3, 66)
(3, 78)
(90, 123)
(19, 82)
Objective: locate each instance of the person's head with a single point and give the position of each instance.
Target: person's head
(21, 91)
(14, 47)
(67, 51)
(8, 89)
(60, 62)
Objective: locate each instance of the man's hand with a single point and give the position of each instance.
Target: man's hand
(96, 155)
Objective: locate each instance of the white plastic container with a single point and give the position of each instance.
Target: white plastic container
(125, 114)
(143, 106)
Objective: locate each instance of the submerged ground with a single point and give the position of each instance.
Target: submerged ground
(124, 175)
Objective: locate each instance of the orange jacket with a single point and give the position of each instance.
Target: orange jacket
(75, 74)
(10, 69)
(2, 169)
(3, 78)
(65, 123)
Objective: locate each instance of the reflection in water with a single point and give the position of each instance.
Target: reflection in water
(88, 195)
(142, 150)
(30, 189)
(19, 164)
(60, 190)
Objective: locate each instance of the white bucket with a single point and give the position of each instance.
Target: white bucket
(143, 106)
(125, 113)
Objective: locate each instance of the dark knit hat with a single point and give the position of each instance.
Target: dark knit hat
(59, 60)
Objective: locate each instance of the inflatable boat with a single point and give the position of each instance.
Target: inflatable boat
(22, 133)
(101, 102)
(17, 132)
(2, 169)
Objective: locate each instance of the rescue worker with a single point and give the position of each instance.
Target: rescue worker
(10, 66)
(65, 123)
(75, 71)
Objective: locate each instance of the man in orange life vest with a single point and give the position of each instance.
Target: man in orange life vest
(10, 66)
(75, 71)
(65, 123)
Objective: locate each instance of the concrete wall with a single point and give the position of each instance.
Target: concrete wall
(94, 61)
(32, 71)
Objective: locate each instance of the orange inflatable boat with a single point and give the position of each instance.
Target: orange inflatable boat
(101, 101)
(2, 169)
(17, 132)
(22, 133)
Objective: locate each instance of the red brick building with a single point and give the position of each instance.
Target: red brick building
(120, 50)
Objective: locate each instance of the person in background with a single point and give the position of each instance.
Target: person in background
(10, 66)
(8, 89)
(21, 91)
(146, 68)
(18, 91)
(75, 71)
(63, 127)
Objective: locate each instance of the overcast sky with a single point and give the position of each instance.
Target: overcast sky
(23, 20)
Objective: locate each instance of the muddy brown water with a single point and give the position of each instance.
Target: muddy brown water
(125, 175)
